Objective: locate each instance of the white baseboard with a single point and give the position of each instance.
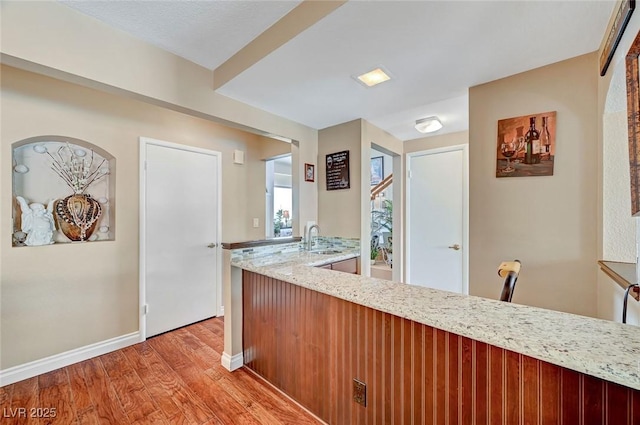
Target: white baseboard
(232, 363)
(37, 367)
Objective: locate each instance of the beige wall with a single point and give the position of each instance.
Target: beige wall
(617, 238)
(54, 36)
(60, 297)
(549, 223)
(611, 99)
(52, 39)
(382, 139)
(270, 148)
(346, 212)
(616, 227)
(339, 211)
(437, 141)
(619, 227)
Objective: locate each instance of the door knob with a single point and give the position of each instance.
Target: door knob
(455, 246)
(212, 245)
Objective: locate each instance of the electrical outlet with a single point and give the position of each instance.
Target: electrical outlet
(256, 222)
(360, 392)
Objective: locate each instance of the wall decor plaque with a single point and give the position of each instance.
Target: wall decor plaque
(309, 173)
(625, 9)
(377, 170)
(338, 170)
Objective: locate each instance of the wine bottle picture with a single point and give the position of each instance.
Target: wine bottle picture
(532, 138)
(508, 150)
(526, 151)
(520, 142)
(545, 140)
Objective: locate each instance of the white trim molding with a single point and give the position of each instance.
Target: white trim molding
(232, 363)
(47, 364)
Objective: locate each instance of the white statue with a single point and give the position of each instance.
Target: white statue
(37, 222)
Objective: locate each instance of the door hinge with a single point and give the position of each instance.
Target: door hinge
(145, 165)
(409, 174)
(145, 309)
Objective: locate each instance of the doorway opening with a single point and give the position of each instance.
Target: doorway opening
(279, 197)
(381, 214)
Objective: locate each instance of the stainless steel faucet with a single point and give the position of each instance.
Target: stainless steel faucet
(309, 241)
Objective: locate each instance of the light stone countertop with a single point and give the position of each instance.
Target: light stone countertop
(600, 348)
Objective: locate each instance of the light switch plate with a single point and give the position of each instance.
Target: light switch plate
(238, 157)
(256, 222)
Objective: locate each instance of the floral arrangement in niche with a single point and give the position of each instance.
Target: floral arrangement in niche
(77, 215)
(76, 170)
(47, 210)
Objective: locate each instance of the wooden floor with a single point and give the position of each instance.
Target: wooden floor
(174, 378)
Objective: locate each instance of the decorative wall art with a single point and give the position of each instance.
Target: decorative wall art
(377, 170)
(623, 14)
(338, 170)
(62, 192)
(309, 172)
(633, 121)
(526, 145)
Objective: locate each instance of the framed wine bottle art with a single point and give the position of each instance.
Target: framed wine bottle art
(526, 145)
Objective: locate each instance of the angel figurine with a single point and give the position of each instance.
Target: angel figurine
(37, 222)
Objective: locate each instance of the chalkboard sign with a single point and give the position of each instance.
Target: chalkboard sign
(338, 170)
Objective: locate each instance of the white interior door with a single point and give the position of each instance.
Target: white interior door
(436, 219)
(179, 243)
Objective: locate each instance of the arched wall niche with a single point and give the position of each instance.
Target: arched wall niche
(619, 227)
(39, 165)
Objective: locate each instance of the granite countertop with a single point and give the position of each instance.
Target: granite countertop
(600, 348)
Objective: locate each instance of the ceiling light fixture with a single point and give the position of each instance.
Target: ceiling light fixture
(374, 77)
(428, 125)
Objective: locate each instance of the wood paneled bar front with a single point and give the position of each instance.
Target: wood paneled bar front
(312, 346)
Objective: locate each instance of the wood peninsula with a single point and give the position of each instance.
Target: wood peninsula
(420, 354)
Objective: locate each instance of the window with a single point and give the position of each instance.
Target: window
(282, 207)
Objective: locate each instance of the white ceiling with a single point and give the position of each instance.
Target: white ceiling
(435, 51)
(205, 32)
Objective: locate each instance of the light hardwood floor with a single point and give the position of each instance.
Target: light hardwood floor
(173, 378)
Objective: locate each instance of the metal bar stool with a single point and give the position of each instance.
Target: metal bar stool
(634, 287)
(508, 270)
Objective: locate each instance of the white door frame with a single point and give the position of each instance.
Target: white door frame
(144, 142)
(465, 209)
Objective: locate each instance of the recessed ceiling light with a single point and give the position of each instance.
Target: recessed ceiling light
(428, 125)
(374, 77)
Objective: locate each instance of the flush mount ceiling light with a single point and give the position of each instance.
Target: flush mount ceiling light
(374, 77)
(428, 125)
